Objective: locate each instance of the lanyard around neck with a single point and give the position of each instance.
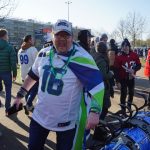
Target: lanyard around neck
(64, 67)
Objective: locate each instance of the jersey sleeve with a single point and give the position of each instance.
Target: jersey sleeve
(33, 73)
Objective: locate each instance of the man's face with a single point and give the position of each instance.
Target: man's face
(62, 41)
(126, 49)
(31, 41)
(89, 40)
(105, 40)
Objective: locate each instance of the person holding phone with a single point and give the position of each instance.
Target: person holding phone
(26, 57)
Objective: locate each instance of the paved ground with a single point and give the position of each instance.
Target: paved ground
(15, 128)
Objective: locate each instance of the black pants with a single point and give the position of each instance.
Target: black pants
(106, 104)
(127, 86)
(38, 136)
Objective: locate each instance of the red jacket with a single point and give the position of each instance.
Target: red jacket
(147, 65)
(128, 61)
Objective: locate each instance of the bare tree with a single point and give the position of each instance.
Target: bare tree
(122, 32)
(135, 25)
(6, 7)
(115, 35)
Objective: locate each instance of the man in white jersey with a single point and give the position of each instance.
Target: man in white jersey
(63, 70)
(26, 58)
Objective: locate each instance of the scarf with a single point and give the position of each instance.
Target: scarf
(86, 70)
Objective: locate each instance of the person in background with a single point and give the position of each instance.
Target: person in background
(147, 72)
(8, 67)
(147, 65)
(16, 50)
(26, 57)
(126, 65)
(48, 40)
(63, 71)
(102, 61)
(104, 38)
(113, 46)
(84, 39)
(112, 51)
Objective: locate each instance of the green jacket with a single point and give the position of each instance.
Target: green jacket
(8, 61)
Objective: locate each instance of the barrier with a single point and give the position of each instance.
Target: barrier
(135, 137)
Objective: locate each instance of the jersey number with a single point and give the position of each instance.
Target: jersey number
(50, 83)
(24, 59)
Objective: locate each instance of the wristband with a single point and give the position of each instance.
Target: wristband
(96, 112)
(22, 92)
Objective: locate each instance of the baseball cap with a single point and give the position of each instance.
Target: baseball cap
(84, 33)
(62, 25)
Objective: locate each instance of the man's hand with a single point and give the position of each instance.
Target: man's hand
(131, 71)
(17, 102)
(92, 121)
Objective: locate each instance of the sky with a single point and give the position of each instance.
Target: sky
(98, 15)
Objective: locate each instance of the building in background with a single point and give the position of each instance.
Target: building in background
(18, 28)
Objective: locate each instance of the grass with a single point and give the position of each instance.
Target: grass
(18, 78)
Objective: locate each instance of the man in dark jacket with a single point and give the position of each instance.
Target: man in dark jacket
(8, 65)
(84, 39)
(102, 61)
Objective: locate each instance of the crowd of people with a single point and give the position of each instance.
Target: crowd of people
(73, 80)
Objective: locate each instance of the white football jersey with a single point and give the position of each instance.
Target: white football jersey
(58, 105)
(26, 59)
